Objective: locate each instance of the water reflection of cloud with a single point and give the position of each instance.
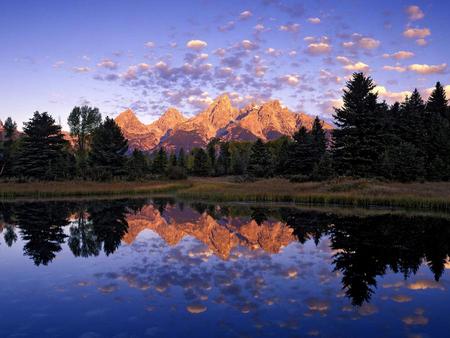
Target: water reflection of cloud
(425, 284)
(401, 298)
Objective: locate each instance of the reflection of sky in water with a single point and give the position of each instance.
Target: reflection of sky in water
(148, 288)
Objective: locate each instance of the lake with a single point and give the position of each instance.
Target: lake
(166, 268)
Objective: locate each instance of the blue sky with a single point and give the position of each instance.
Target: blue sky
(149, 55)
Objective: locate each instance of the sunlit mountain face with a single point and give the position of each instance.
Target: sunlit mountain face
(220, 120)
(169, 268)
(149, 56)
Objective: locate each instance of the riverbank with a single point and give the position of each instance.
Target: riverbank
(359, 193)
(88, 189)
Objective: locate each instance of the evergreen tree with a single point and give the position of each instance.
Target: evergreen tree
(437, 130)
(412, 120)
(43, 152)
(402, 163)
(318, 139)
(282, 157)
(323, 169)
(181, 161)
(211, 151)
(260, 162)
(137, 165)
(6, 151)
(437, 102)
(237, 163)
(357, 142)
(107, 157)
(301, 153)
(172, 159)
(201, 163)
(160, 162)
(223, 166)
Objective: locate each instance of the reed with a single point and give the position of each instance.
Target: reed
(356, 193)
(87, 188)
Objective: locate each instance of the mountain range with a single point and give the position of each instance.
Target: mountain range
(220, 119)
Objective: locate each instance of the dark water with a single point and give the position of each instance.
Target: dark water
(158, 268)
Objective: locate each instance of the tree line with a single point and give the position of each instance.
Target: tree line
(406, 141)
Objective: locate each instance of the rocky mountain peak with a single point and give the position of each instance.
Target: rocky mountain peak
(130, 124)
(220, 112)
(169, 120)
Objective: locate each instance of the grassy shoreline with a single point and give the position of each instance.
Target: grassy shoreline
(87, 189)
(343, 192)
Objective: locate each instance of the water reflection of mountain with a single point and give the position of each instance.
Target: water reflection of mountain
(364, 246)
(220, 235)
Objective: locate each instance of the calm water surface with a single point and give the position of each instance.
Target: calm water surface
(160, 268)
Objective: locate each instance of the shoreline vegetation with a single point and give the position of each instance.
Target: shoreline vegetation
(339, 192)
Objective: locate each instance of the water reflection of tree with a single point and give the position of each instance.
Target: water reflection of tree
(41, 228)
(82, 239)
(366, 247)
(101, 224)
(93, 226)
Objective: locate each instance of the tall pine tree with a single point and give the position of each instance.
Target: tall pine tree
(201, 166)
(160, 162)
(107, 158)
(357, 142)
(6, 150)
(43, 152)
(260, 162)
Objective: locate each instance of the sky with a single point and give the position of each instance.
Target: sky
(151, 55)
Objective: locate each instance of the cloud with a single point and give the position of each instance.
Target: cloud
(414, 13)
(422, 42)
(220, 52)
(290, 79)
(248, 45)
(58, 64)
(245, 15)
(81, 69)
(360, 41)
(391, 97)
(416, 33)
(318, 48)
(273, 52)
(108, 64)
(326, 78)
(150, 44)
(290, 27)
(357, 67)
(399, 69)
(227, 27)
(259, 27)
(196, 44)
(343, 59)
(314, 21)
(400, 55)
(328, 106)
(369, 43)
(425, 69)
(200, 101)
